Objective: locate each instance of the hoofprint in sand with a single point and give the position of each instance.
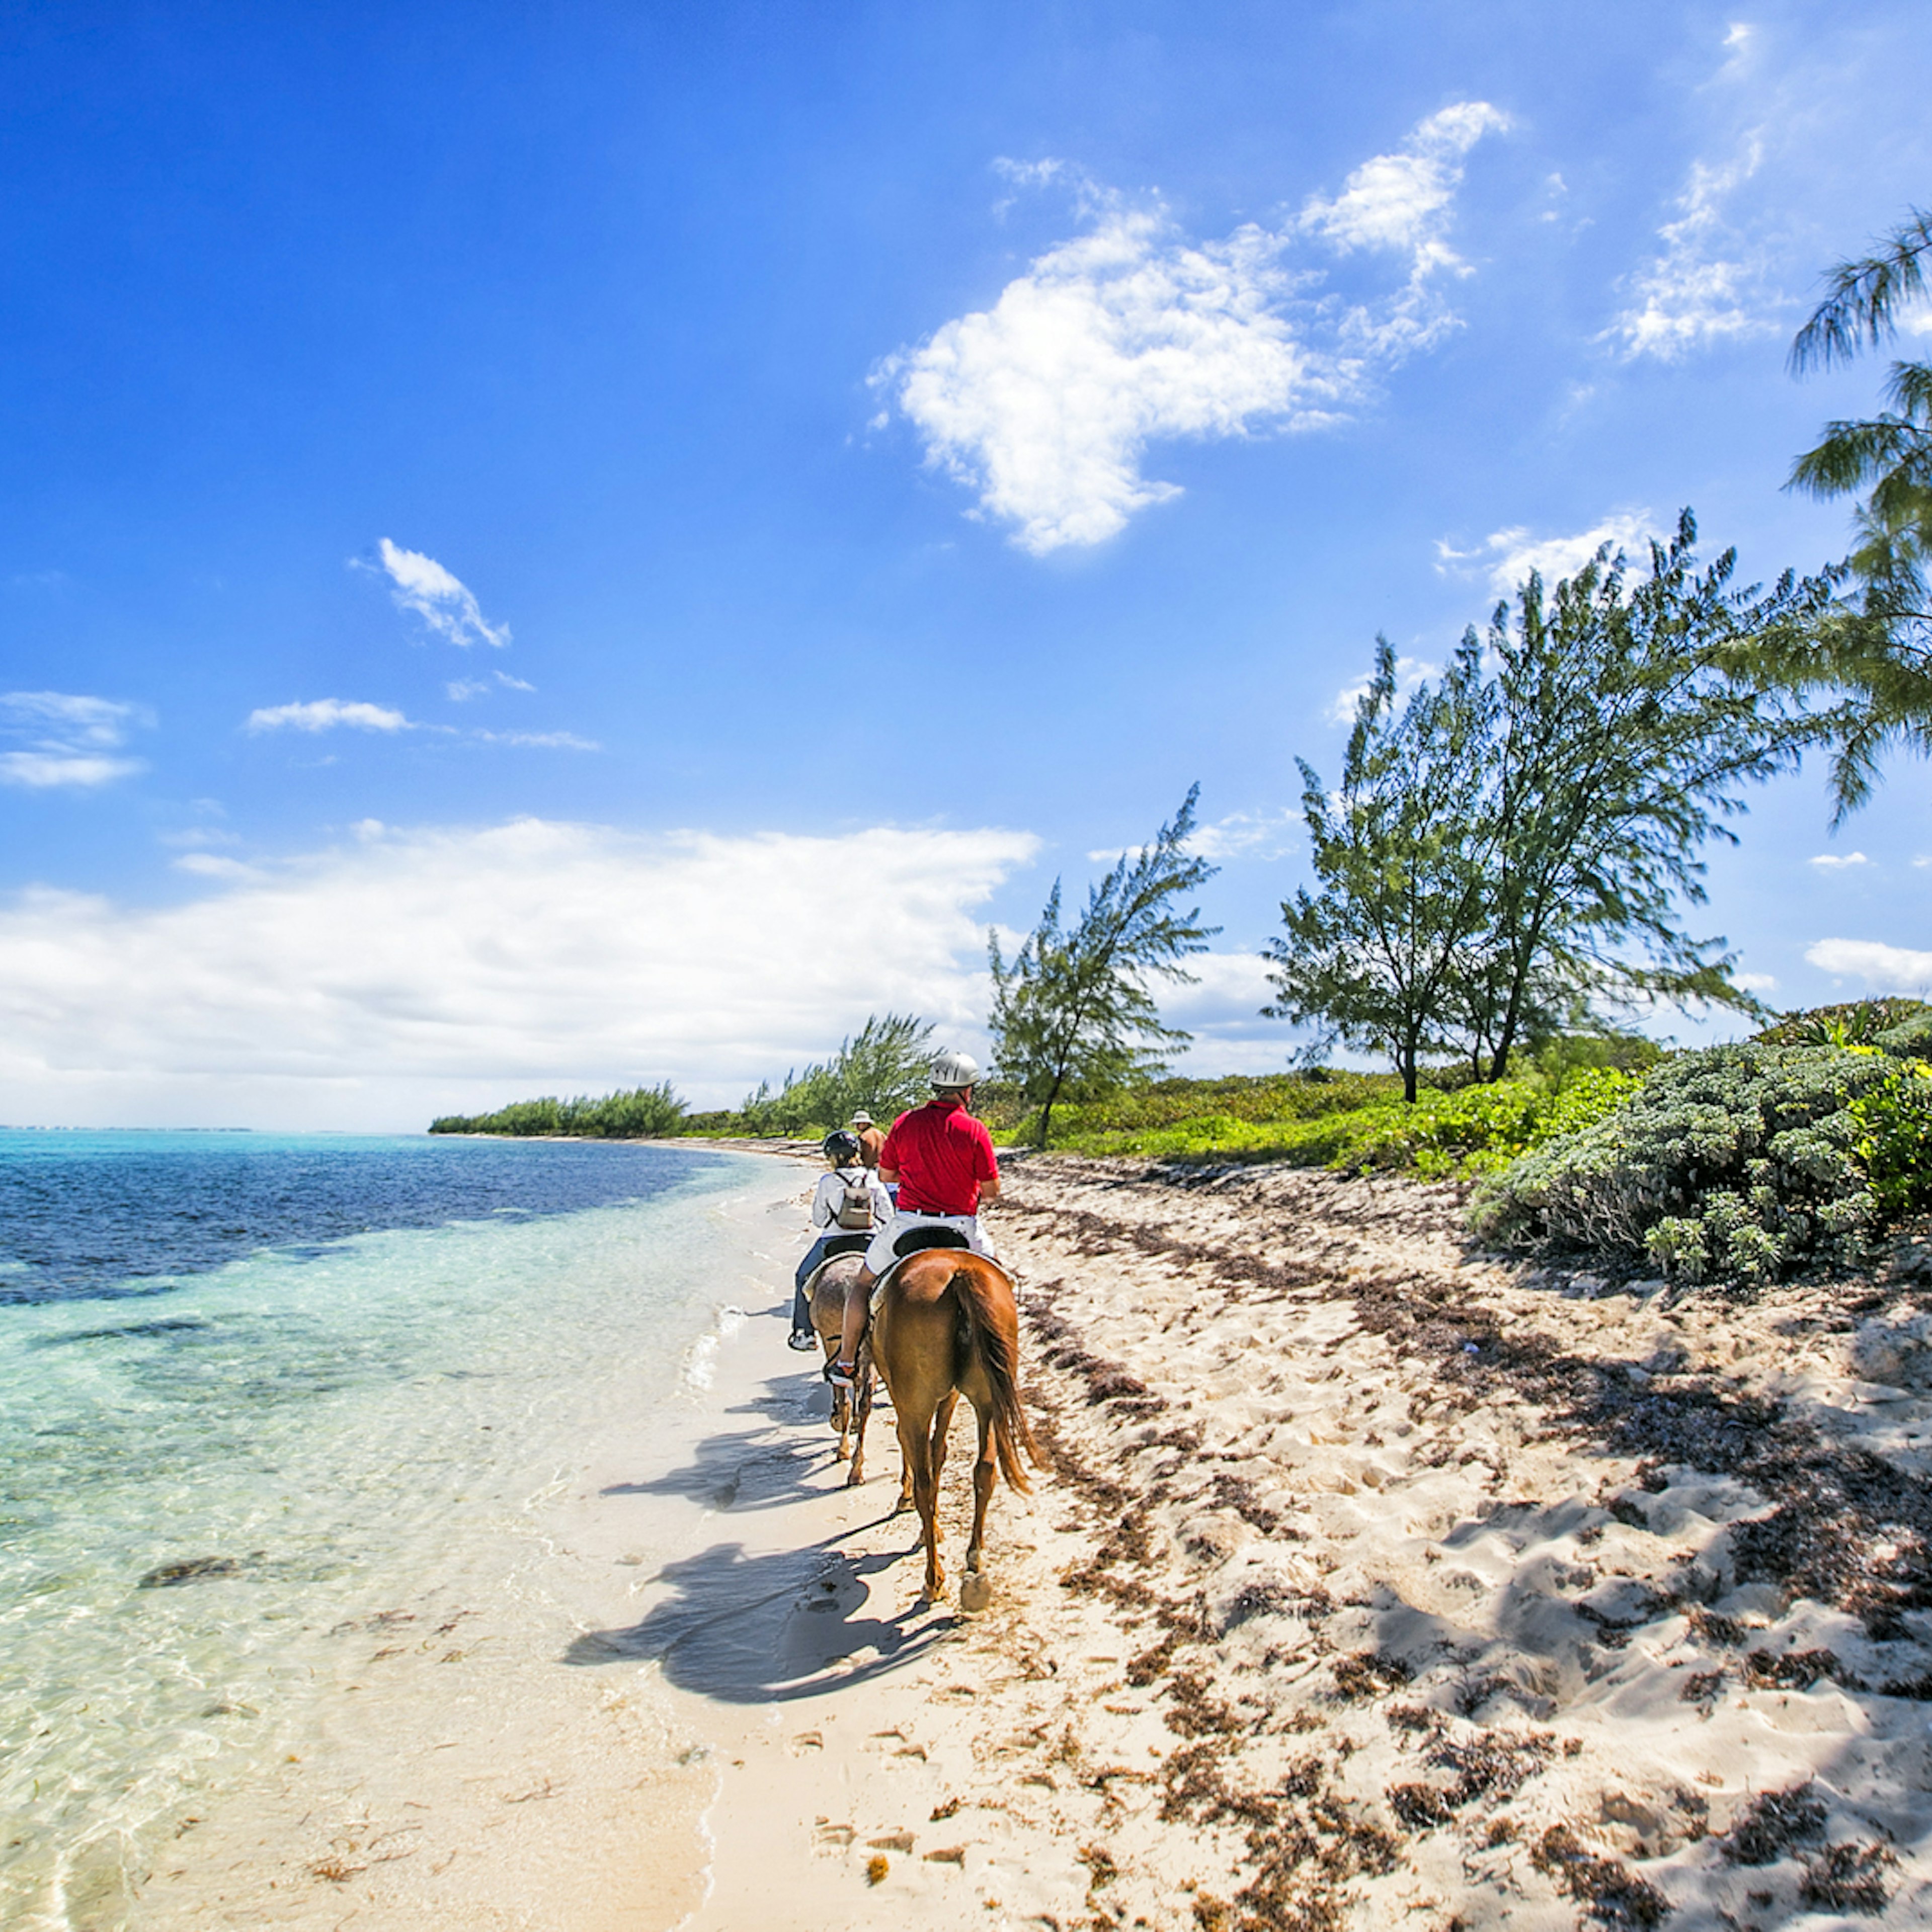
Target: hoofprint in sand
(1372, 1583)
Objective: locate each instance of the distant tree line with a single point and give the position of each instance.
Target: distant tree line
(641, 1113)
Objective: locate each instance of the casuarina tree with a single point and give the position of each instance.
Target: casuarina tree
(1519, 838)
(1401, 852)
(1073, 1011)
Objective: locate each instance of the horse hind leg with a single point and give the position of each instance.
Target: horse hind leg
(915, 1444)
(862, 1405)
(985, 1473)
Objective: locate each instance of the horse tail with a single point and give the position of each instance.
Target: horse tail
(992, 1333)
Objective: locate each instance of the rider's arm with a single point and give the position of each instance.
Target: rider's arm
(989, 1189)
(890, 1175)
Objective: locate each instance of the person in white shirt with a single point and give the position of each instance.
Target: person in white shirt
(851, 1200)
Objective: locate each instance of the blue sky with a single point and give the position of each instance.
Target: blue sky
(550, 546)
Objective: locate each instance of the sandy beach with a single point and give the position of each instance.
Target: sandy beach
(1371, 1582)
(1368, 1581)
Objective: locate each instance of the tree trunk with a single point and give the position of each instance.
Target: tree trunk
(1408, 1064)
(1046, 1111)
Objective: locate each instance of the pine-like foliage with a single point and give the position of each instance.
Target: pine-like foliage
(1517, 840)
(1073, 1015)
(881, 1068)
(1404, 854)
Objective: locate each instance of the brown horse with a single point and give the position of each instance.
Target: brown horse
(945, 1326)
(851, 1408)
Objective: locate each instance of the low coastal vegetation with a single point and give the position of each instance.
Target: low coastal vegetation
(639, 1114)
(1747, 1163)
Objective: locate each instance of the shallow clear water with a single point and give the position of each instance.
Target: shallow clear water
(346, 1365)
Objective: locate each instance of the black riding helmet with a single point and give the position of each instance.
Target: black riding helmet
(840, 1148)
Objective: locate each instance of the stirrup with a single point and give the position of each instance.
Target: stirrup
(839, 1376)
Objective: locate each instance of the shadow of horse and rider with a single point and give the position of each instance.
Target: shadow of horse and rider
(942, 1324)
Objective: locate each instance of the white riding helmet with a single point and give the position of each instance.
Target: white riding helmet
(951, 1068)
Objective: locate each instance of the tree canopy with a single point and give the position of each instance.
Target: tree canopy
(1072, 1012)
(1873, 646)
(1517, 841)
(881, 1068)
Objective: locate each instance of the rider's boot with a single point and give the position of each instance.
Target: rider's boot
(858, 1299)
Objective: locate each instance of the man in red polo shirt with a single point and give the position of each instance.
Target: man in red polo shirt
(942, 1160)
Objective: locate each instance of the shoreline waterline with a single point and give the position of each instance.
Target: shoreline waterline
(363, 1489)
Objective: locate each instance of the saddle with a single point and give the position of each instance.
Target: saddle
(836, 1246)
(917, 1241)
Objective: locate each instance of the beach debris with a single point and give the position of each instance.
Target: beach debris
(1766, 1828)
(189, 1569)
(877, 1867)
(1367, 1673)
(1608, 1891)
(1848, 1878)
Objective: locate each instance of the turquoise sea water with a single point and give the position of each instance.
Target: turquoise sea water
(253, 1389)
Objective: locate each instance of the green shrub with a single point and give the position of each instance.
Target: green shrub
(1898, 1025)
(1358, 1122)
(1893, 1122)
(1741, 1162)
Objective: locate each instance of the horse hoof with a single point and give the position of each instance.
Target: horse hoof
(854, 1478)
(975, 1592)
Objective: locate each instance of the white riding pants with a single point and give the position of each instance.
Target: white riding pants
(879, 1256)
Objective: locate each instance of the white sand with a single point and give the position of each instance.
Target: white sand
(1333, 1623)
(1323, 1617)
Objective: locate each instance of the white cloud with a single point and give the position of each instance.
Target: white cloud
(1833, 861)
(409, 973)
(1044, 404)
(1755, 982)
(325, 714)
(1706, 284)
(1411, 674)
(1509, 556)
(1247, 834)
(558, 741)
(1223, 1011)
(1898, 968)
(420, 584)
(461, 690)
(1402, 200)
(66, 739)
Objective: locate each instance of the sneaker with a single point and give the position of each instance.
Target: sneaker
(803, 1339)
(839, 1374)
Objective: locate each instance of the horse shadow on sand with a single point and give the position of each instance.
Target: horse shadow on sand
(773, 1627)
(761, 1627)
